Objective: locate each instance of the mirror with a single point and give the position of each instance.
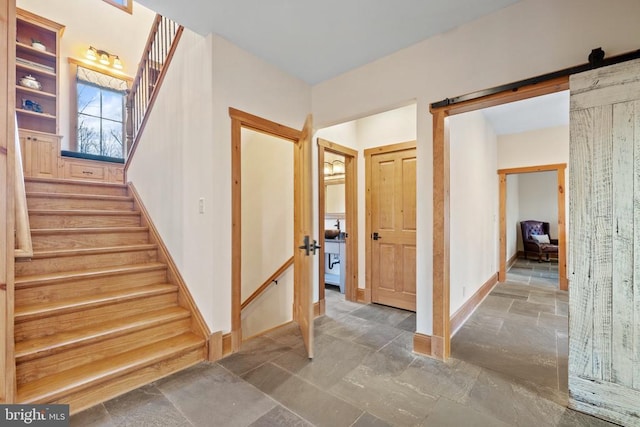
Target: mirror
(334, 197)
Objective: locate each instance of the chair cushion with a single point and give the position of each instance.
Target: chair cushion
(541, 238)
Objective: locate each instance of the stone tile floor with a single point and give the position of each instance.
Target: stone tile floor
(508, 368)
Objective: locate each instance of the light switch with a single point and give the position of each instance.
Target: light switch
(201, 205)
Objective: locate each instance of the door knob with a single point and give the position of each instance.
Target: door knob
(376, 236)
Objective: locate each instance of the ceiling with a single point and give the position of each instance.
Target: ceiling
(529, 114)
(316, 40)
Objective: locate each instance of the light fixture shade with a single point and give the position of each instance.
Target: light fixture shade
(117, 63)
(338, 167)
(104, 59)
(91, 54)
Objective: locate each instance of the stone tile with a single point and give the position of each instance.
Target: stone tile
(530, 309)
(333, 359)
(287, 335)
(280, 416)
(313, 404)
(384, 396)
(562, 308)
(408, 324)
(511, 291)
(96, 416)
(452, 379)
(542, 297)
(392, 359)
(572, 418)
(562, 349)
(381, 314)
(378, 337)
(496, 303)
(447, 413)
(349, 327)
(253, 353)
(145, 406)
(544, 282)
(368, 420)
(209, 392)
(559, 323)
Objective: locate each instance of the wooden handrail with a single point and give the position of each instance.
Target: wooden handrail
(288, 263)
(23, 245)
(161, 45)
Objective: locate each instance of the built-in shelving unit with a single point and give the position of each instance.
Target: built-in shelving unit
(43, 66)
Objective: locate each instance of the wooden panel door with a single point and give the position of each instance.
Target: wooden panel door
(392, 186)
(305, 245)
(604, 231)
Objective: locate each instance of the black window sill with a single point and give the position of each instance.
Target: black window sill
(86, 156)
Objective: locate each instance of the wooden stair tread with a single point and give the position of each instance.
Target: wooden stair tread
(78, 196)
(71, 181)
(91, 251)
(37, 311)
(87, 212)
(56, 386)
(80, 230)
(44, 346)
(41, 279)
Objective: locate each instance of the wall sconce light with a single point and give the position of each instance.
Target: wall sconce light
(103, 57)
(334, 168)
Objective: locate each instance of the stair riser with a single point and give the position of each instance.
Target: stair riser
(79, 262)
(54, 324)
(37, 202)
(86, 287)
(32, 370)
(88, 397)
(75, 240)
(74, 188)
(83, 221)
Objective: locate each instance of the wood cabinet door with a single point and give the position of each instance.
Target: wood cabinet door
(392, 192)
(40, 154)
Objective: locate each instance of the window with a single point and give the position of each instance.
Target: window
(100, 120)
(126, 5)
(98, 113)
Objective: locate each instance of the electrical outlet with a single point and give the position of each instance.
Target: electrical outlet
(201, 205)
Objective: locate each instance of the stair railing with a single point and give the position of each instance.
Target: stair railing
(267, 283)
(161, 45)
(23, 245)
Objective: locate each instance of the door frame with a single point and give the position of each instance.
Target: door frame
(438, 345)
(351, 217)
(239, 120)
(368, 154)
(562, 241)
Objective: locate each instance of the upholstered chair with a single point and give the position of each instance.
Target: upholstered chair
(533, 239)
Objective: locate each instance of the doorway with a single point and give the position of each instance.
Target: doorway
(337, 221)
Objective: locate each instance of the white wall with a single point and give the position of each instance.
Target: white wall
(526, 39)
(538, 200)
(185, 154)
(513, 214)
(267, 229)
(473, 205)
(534, 148)
(92, 23)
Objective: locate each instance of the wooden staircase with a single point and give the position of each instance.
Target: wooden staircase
(98, 310)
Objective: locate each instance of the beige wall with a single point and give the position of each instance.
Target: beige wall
(473, 205)
(539, 200)
(529, 38)
(534, 148)
(185, 154)
(92, 23)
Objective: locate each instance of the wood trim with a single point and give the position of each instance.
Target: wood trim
(319, 308)
(512, 260)
(263, 125)
(215, 346)
(363, 295)
(463, 313)
(530, 169)
(7, 211)
(351, 215)
(127, 8)
(502, 225)
(185, 299)
(154, 96)
(441, 339)
(24, 247)
(279, 272)
(422, 344)
(562, 232)
(42, 21)
(100, 69)
(391, 148)
(227, 346)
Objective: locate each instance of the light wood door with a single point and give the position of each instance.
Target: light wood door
(392, 192)
(305, 245)
(604, 231)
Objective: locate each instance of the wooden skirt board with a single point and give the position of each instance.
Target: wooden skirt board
(391, 186)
